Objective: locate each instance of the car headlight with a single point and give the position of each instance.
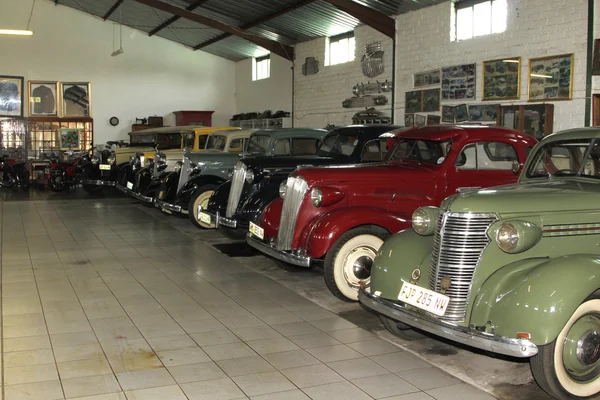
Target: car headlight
(250, 176)
(424, 219)
(142, 158)
(282, 189)
(95, 159)
(316, 196)
(111, 159)
(517, 236)
(178, 166)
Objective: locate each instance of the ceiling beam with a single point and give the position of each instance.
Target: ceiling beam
(280, 49)
(168, 22)
(257, 22)
(112, 9)
(367, 16)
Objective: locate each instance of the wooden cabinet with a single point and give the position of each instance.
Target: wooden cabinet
(534, 119)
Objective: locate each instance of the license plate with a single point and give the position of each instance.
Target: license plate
(204, 217)
(105, 167)
(130, 185)
(425, 299)
(257, 231)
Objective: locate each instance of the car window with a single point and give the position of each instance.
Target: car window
(235, 145)
(142, 139)
(282, 147)
(305, 146)
(564, 158)
(216, 142)
(428, 151)
(169, 141)
(374, 150)
(259, 144)
(188, 141)
(487, 156)
(202, 141)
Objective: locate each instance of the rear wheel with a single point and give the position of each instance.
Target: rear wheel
(399, 329)
(57, 181)
(569, 367)
(198, 201)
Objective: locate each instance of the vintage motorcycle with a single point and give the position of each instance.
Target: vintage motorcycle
(65, 171)
(14, 173)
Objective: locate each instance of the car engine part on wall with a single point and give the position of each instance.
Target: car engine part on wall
(365, 101)
(310, 66)
(330, 127)
(372, 61)
(371, 87)
(370, 116)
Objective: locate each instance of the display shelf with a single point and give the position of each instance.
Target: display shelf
(267, 123)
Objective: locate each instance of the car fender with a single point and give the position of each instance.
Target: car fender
(271, 217)
(535, 296)
(218, 200)
(143, 177)
(321, 233)
(251, 209)
(194, 183)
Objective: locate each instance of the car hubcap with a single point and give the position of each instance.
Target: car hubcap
(581, 350)
(357, 266)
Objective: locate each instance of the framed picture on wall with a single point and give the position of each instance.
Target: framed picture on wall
(76, 99)
(484, 112)
(414, 101)
(461, 114)
(427, 78)
(409, 119)
(502, 79)
(431, 100)
(11, 96)
(551, 78)
(458, 82)
(43, 98)
(69, 139)
(433, 119)
(448, 114)
(420, 120)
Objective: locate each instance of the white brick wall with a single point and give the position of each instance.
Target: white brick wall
(535, 28)
(319, 97)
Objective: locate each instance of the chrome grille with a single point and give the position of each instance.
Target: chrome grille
(459, 241)
(237, 185)
(184, 173)
(294, 195)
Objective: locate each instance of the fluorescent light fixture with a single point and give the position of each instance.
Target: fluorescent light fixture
(542, 76)
(511, 61)
(17, 32)
(117, 52)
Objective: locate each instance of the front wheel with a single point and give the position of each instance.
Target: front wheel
(348, 263)
(569, 367)
(198, 201)
(57, 181)
(399, 329)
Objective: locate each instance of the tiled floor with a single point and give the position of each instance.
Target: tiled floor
(101, 301)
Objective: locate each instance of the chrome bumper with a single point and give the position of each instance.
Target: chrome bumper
(168, 206)
(290, 258)
(98, 182)
(480, 340)
(138, 196)
(228, 222)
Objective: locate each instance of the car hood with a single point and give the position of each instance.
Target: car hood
(210, 157)
(550, 195)
(287, 164)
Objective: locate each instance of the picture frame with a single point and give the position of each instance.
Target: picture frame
(484, 112)
(420, 120)
(448, 114)
(459, 82)
(461, 113)
(414, 101)
(11, 95)
(76, 99)
(409, 120)
(551, 78)
(69, 139)
(43, 98)
(501, 79)
(433, 119)
(427, 78)
(431, 100)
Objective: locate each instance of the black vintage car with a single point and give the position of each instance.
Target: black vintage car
(255, 180)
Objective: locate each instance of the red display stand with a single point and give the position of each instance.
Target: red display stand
(201, 118)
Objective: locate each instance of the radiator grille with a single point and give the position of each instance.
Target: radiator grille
(184, 173)
(459, 241)
(237, 186)
(294, 195)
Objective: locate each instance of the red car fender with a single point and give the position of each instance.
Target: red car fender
(321, 233)
(271, 217)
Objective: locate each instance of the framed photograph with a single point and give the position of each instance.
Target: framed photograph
(69, 139)
(458, 82)
(483, 112)
(433, 119)
(420, 120)
(76, 99)
(461, 114)
(448, 114)
(409, 119)
(551, 78)
(431, 100)
(11, 96)
(414, 102)
(502, 79)
(427, 78)
(43, 98)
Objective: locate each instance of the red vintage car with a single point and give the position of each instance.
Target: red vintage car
(339, 216)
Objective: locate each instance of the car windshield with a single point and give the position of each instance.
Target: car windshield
(428, 151)
(140, 140)
(576, 157)
(169, 141)
(188, 140)
(259, 144)
(216, 142)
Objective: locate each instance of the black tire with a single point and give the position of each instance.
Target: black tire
(24, 181)
(233, 234)
(193, 207)
(374, 234)
(92, 188)
(57, 181)
(399, 329)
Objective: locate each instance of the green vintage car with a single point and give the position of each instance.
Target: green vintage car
(513, 269)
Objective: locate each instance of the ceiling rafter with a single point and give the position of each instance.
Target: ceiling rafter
(256, 22)
(112, 9)
(273, 46)
(174, 18)
(367, 16)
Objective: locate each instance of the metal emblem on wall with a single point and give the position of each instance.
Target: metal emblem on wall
(365, 101)
(362, 89)
(370, 116)
(372, 61)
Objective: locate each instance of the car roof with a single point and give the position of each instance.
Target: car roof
(446, 132)
(577, 133)
(183, 129)
(292, 132)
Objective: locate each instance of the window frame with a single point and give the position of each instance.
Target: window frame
(458, 5)
(485, 147)
(336, 39)
(256, 64)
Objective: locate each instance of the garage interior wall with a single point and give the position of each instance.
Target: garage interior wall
(534, 29)
(273, 93)
(152, 77)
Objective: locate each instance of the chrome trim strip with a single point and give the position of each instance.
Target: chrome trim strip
(184, 173)
(168, 206)
(98, 182)
(496, 344)
(301, 261)
(220, 220)
(237, 187)
(138, 196)
(297, 188)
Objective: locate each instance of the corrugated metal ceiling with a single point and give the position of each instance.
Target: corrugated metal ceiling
(311, 21)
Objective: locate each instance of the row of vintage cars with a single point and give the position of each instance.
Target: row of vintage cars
(476, 234)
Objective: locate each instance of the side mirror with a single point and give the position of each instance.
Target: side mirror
(516, 167)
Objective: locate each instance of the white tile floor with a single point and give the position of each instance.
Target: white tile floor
(102, 302)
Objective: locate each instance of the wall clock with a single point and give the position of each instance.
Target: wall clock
(114, 121)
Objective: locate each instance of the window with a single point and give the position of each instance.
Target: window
(261, 67)
(282, 147)
(259, 144)
(427, 151)
(473, 18)
(216, 142)
(375, 150)
(236, 145)
(340, 49)
(486, 156)
(202, 141)
(305, 146)
(580, 157)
